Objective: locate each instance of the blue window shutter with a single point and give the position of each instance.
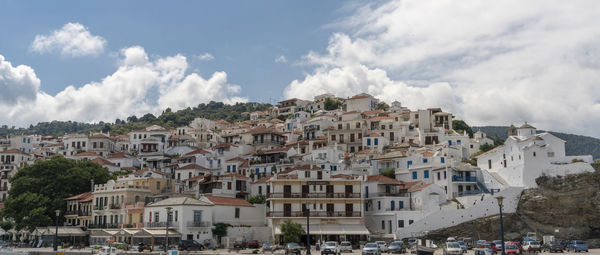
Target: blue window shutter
(375, 141)
(442, 159)
(415, 175)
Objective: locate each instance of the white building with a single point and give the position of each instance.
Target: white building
(527, 156)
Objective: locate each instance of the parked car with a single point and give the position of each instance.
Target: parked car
(493, 246)
(511, 249)
(253, 244)
(452, 248)
(532, 246)
(498, 244)
(483, 249)
(143, 246)
(478, 242)
(553, 247)
(190, 245)
(239, 244)
(577, 245)
(371, 249)
(293, 248)
(382, 246)
(330, 247)
(396, 247)
(463, 246)
(346, 247)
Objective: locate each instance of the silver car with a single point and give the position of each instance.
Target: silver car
(382, 246)
(345, 247)
(371, 249)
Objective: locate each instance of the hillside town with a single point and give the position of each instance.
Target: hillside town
(355, 172)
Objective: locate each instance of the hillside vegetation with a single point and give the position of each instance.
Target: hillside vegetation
(575, 144)
(168, 119)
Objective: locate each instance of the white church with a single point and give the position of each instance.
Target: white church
(526, 156)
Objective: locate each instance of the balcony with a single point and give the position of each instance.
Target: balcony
(82, 213)
(159, 224)
(99, 207)
(198, 224)
(69, 213)
(114, 206)
(456, 178)
(313, 214)
(107, 225)
(312, 195)
(387, 194)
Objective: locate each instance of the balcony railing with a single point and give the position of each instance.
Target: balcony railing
(114, 206)
(99, 207)
(107, 225)
(387, 194)
(313, 214)
(466, 193)
(70, 213)
(84, 213)
(312, 195)
(198, 224)
(456, 178)
(159, 224)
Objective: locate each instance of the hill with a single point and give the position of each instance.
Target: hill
(168, 119)
(575, 144)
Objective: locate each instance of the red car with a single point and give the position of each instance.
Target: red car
(254, 244)
(511, 249)
(519, 246)
(493, 245)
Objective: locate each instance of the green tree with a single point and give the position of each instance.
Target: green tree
(40, 189)
(6, 225)
(257, 199)
(220, 230)
(486, 147)
(383, 106)
(460, 126)
(331, 104)
(389, 173)
(291, 231)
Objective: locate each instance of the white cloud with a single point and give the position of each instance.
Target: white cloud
(17, 83)
(129, 90)
(281, 59)
(492, 63)
(72, 40)
(206, 57)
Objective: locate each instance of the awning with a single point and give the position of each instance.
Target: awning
(156, 233)
(99, 233)
(126, 232)
(65, 231)
(332, 229)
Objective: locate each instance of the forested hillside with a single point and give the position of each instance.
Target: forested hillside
(168, 118)
(575, 144)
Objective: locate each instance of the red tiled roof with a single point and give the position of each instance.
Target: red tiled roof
(117, 155)
(87, 153)
(364, 151)
(350, 112)
(236, 159)
(99, 136)
(192, 166)
(289, 100)
(262, 180)
(228, 201)
(427, 154)
(80, 196)
(198, 151)
(103, 162)
(420, 187)
(373, 112)
(223, 145)
(13, 151)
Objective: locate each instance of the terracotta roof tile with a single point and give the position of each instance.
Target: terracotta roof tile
(198, 151)
(103, 162)
(419, 187)
(228, 201)
(80, 196)
(381, 178)
(192, 166)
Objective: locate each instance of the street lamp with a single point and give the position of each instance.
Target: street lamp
(56, 233)
(307, 228)
(500, 199)
(167, 229)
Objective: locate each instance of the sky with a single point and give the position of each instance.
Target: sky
(488, 62)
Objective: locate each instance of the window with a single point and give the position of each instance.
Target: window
(400, 204)
(237, 213)
(445, 175)
(339, 126)
(414, 175)
(157, 185)
(383, 224)
(368, 142)
(229, 185)
(534, 153)
(307, 173)
(375, 141)
(442, 160)
(347, 125)
(490, 163)
(234, 168)
(156, 217)
(357, 124)
(400, 223)
(408, 163)
(438, 176)
(424, 160)
(378, 205)
(426, 174)
(410, 222)
(228, 169)
(197, 216)
(94, 145)
(332, 137)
